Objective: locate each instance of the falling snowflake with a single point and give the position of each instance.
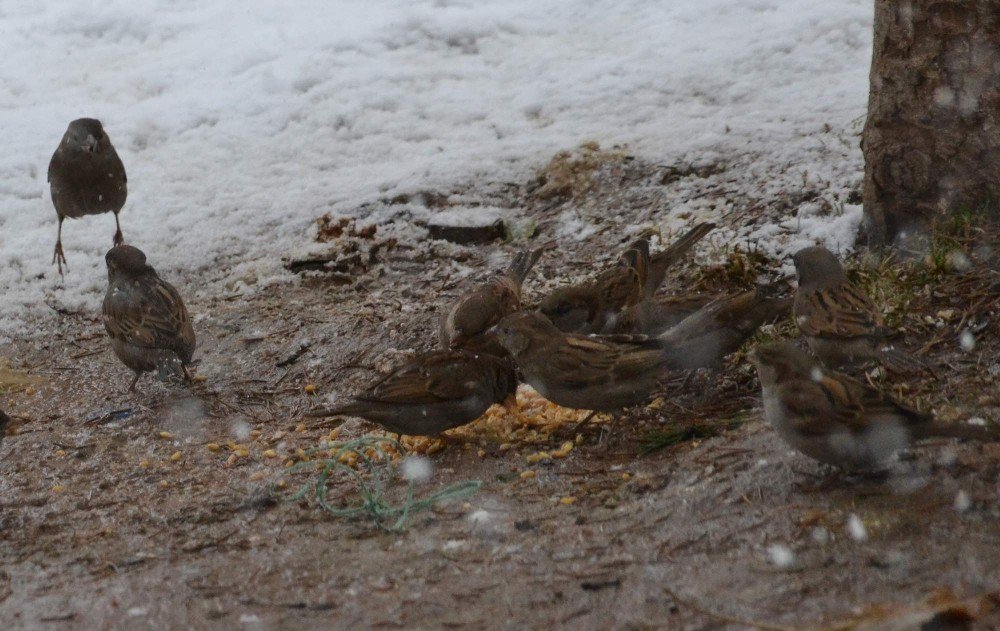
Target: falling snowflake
(856, 528)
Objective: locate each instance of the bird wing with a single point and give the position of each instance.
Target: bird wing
(839, 311)
(584, 361)
(433, 378)
(662, 261)
(150, 315)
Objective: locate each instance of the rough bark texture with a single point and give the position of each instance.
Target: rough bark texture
(932, 138)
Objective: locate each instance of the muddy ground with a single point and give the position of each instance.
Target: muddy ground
(131, 520)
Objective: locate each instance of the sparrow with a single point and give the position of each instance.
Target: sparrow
(721, 327)
(434, 392)
(836, 419)
(86, 177)
(600, 373)
(837, 319)
(615, 301)
(654, 316)
(477, 311)
(149, 327)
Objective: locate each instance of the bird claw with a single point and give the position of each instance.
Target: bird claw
(119, 238)
(59, 258)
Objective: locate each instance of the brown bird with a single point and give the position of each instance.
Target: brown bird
(837, 319)
(601, 373)
(836, 419)
(478, 310)
(145, 317)
(654, 316)
(86, 177)
(613, 301)
(434, 392)
(708, 335)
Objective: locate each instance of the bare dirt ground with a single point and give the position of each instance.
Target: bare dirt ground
(134, 521)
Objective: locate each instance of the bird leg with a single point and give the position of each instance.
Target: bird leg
(131, 388)
(58, 256)
(585, 420)
(119, 237)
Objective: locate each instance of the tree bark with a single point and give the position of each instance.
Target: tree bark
(932, 139)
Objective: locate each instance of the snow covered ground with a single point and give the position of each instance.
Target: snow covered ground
(239, 123)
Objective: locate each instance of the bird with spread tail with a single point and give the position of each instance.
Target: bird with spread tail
(86, 177)
(145, 317)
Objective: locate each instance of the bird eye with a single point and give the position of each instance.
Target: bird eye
(562, 309)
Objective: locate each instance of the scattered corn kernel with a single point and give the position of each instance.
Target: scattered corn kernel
(176, 456)
(60, 453)
(213, 447)
(334, 434)
(166, 435)
(566, 501)
(310, 388)
(199, 378)
(301, 427)
(257, 475)
(481, 453)
(278, 435)
(281, 484)
(505, 446)
(527, 475)
(255, 434)
(289, 463)
(59, 488)
(164, 484)
(231, 460)
(242, 452)
(538, 457)
(270, 453)
(626, 476)
(145, 463)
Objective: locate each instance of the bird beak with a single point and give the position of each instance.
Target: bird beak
(90, 144)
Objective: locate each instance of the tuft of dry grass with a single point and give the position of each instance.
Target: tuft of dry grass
(570, 175)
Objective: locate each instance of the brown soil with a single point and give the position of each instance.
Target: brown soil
(103, 526)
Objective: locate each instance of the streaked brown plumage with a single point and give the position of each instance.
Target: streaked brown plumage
(613, 301)
(86, 177)
(602, 373)
(432, 393)
(149, 327)
(4, 423)
(480, 309)
(836, 419)
(837, 318)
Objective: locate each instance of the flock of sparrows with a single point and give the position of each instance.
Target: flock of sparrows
(602, 345)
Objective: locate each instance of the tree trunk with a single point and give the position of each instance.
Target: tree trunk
(932, 139)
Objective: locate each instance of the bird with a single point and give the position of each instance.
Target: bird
(616, 300)
(434, 392)
(655, 315)
(86, 177)
(835, 419)
(145, 317)
(587, 372)
(837, 318)
(478, 310)
(721, 327)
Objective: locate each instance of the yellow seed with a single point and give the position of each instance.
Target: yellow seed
(567, 446)
(255, 434)
(231, 460)
(145, 464)
(281, 484)
(579, 439)
(626, 476)
(278, 435)
(164, 484)
(60, 453)
(505, 446)
(213, 447)
(435, 447)
(59, 488)
(289, 463)
(176, 456)
(310, 388)
(566, 501)
(527, 475)
(301, 427)
(257, 475)
(482, 453)
(538, 457)
(334, 433)
(166, 435)
(200, 378)
(242, 452)
(270, 453)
